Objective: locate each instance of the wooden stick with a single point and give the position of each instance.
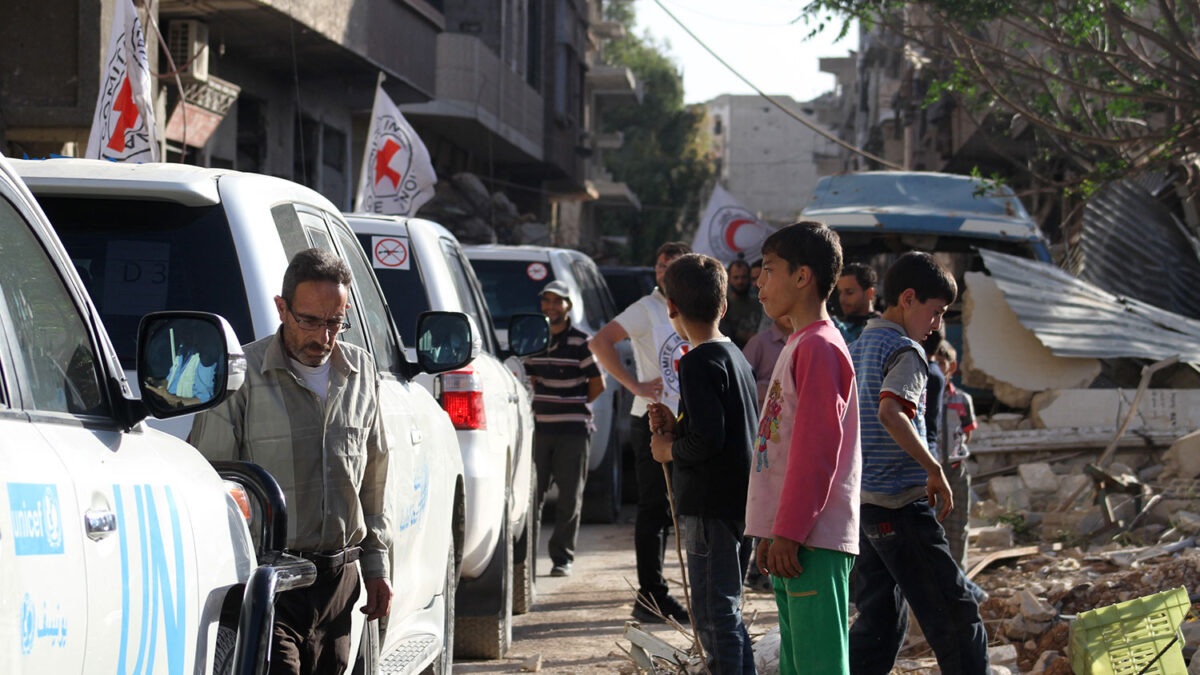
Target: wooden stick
(687, 595)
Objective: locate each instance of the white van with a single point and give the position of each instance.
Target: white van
(168, 236)
(512, 278)
(421, 267)
(119, 544)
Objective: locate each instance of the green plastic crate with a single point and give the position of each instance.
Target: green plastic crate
(1122, 639)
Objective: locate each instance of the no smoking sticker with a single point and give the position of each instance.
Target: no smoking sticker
(536, 271)
(389, 253)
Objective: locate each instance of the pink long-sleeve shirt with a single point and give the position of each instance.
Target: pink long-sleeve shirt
(805, 474)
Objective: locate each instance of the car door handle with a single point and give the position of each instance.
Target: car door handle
(513, 398)
(415, 436)
(99, 523)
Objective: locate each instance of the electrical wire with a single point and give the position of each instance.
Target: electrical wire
(772, 100)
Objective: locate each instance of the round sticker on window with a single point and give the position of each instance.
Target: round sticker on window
(536, 271)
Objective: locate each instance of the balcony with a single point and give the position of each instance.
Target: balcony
(481, 103)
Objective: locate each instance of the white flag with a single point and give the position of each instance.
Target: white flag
(397, 176)
(729, 231)
(123, 126)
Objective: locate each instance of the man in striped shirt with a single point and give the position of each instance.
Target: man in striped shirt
(566, 380)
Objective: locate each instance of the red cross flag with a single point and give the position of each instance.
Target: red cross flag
(397, 176)
(729, 230)
(123, 126)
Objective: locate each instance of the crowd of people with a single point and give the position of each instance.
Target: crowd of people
(829, 445)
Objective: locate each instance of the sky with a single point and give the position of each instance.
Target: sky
(755, 36)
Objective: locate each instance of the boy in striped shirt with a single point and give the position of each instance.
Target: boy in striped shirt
(904, 493)
(566, 380)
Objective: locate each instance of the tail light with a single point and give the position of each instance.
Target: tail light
(462, 398)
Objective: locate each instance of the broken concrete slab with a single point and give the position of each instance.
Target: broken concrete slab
(1045, 660)
(1183, 457)
(1035, 608)
(1186, 522)
(1038, 477)
(1003, 655)
(1177, 409)
(1009, 492)
(1069, 485)
(994, 536)
(1000, 350)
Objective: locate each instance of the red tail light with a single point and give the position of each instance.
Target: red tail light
(462, 398)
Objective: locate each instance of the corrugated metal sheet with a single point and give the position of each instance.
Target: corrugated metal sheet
(1075, 318)
(1131, 244)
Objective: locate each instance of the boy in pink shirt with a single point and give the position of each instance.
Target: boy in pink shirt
(803, 495)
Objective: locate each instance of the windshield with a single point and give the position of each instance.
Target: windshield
(404, 290)
(927, 192)
(137, 257)
(512, 286)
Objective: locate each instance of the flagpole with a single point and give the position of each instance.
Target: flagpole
(366, 160)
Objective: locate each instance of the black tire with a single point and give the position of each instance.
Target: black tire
(444, 663)
(223, 652)
(489, 637)
(525, 556)
(602, 493)
(367, 661)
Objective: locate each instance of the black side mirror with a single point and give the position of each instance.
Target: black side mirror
(186, 362)
(528, 334)
(446, 341)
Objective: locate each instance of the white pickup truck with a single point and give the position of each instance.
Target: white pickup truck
(153, 237)
(120, 546)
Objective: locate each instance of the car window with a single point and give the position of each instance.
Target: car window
(56, 360)
(374, 309)
(404, 290)
(141, 256)
(488, 327)
(593, 304)
(317, 233)
(462, 285)
(512, 286)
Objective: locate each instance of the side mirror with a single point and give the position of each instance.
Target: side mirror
(528, 334)
(187, 362)
(446, 341)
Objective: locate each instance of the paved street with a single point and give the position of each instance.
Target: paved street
(578, 620)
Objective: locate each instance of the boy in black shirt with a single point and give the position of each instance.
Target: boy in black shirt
(710, 445)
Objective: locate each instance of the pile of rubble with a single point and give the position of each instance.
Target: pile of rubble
(463, 205)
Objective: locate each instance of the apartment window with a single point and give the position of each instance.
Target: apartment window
(533, 45)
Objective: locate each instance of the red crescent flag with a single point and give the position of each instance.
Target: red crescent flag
(123, 126)
(730, 231)
(397, 175)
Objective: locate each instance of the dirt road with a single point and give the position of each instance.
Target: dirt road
(578, 621)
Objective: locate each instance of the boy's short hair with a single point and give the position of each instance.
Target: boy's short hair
(865, 275)
(813, 244)
(697, 283)
(921, 272)
(947, 351)
(672, 249)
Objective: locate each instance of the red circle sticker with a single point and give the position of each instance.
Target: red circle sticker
(390, 252)
(536, 271)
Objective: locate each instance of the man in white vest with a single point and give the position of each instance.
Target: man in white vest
(656, 353)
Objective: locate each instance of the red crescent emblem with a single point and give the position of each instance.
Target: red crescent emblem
(731, 231)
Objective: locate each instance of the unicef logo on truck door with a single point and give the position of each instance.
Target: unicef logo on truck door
(390, 173)
(36, 519)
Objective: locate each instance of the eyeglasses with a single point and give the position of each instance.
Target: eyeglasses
(334, 326)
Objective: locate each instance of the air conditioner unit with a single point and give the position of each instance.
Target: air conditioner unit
(187, 41)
